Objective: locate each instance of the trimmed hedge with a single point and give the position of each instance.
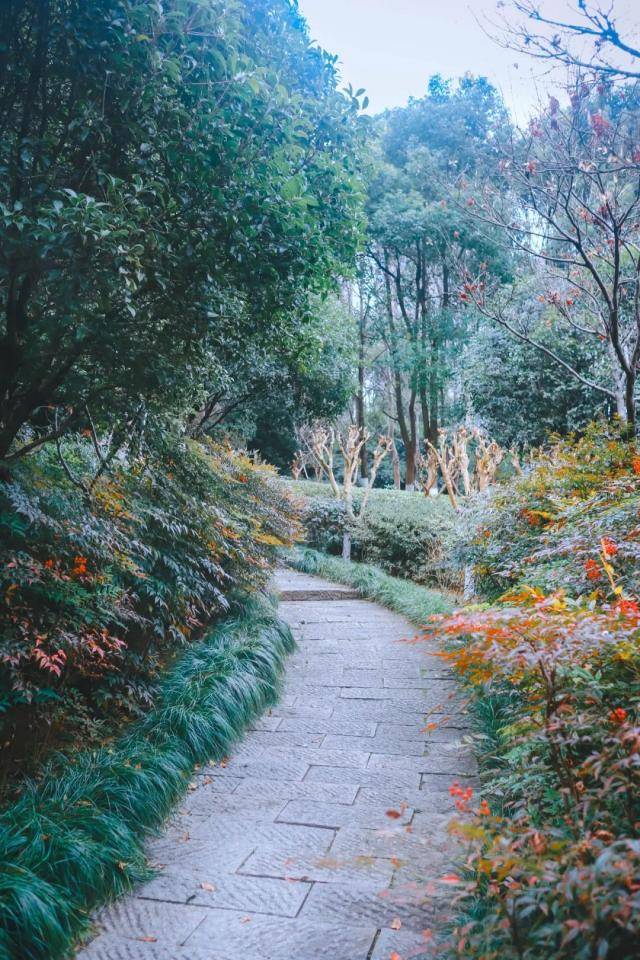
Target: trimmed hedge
(406, 534)
(411, 601)
(76, 837)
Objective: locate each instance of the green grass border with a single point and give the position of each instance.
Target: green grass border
(75, 838)
(408, 599)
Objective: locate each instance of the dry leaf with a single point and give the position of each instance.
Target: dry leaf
(146, 939)
(208, 886)
(396, 923)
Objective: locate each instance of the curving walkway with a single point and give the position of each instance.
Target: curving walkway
(324, 836)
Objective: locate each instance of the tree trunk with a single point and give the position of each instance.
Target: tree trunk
(346, 544)
(364, 456)
(630, 403)
(410, 475)
(412, 445)
(395, 459)
(469, 583)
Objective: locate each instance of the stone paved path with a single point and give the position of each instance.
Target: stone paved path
(288, 852)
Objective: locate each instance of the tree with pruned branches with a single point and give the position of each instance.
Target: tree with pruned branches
(321, 444)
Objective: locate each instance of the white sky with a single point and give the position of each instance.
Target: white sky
(391, 47)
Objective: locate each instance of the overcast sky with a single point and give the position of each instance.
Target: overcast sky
(391, 47)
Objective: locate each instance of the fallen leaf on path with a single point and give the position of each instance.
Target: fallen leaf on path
(396, 923)
(208, 886)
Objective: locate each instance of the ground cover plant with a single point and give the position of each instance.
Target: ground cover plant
(414, 602)
(553, 665)
(100, 587)
(75, 838)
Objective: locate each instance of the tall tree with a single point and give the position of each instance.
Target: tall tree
(569, 201)
(175, 178)
(422, 247)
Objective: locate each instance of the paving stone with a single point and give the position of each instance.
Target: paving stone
(444, 732)
(438, 691)
(425, 681)
(422, 801)
(169, 923)
(429, 847)
(390, 745)
(435, 782)
(355, 677)
(362, 777)
(338, 815)
(327, 869)
(292, 769)
(205, 781)
(294, 790)
(198, 807)
(266, 722)
(203, 855)
(281, 739)
(353, 727)
(385, 711)
(307, 755)
(232, 892)
(303, 710)
(110, 947)
(454, 763)
(407, 944)
(228, 935)
(412, 905)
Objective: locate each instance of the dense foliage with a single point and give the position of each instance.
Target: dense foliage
(98, 591)
(407, 535)
(554, 669)
(76, 837)
(176, 179)
(178, 192)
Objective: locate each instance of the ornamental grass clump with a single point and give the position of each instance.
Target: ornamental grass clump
(75, 838)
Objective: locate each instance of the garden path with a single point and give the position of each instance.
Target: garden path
(325, 834)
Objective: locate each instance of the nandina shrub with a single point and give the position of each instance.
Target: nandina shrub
(100, 586)
(546, 527)
(554, 856)
(553, 866)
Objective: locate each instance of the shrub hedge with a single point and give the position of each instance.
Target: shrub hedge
(553, 666)
(75, 838)
(408, 535)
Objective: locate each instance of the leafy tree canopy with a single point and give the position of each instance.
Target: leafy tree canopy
(174, 179)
